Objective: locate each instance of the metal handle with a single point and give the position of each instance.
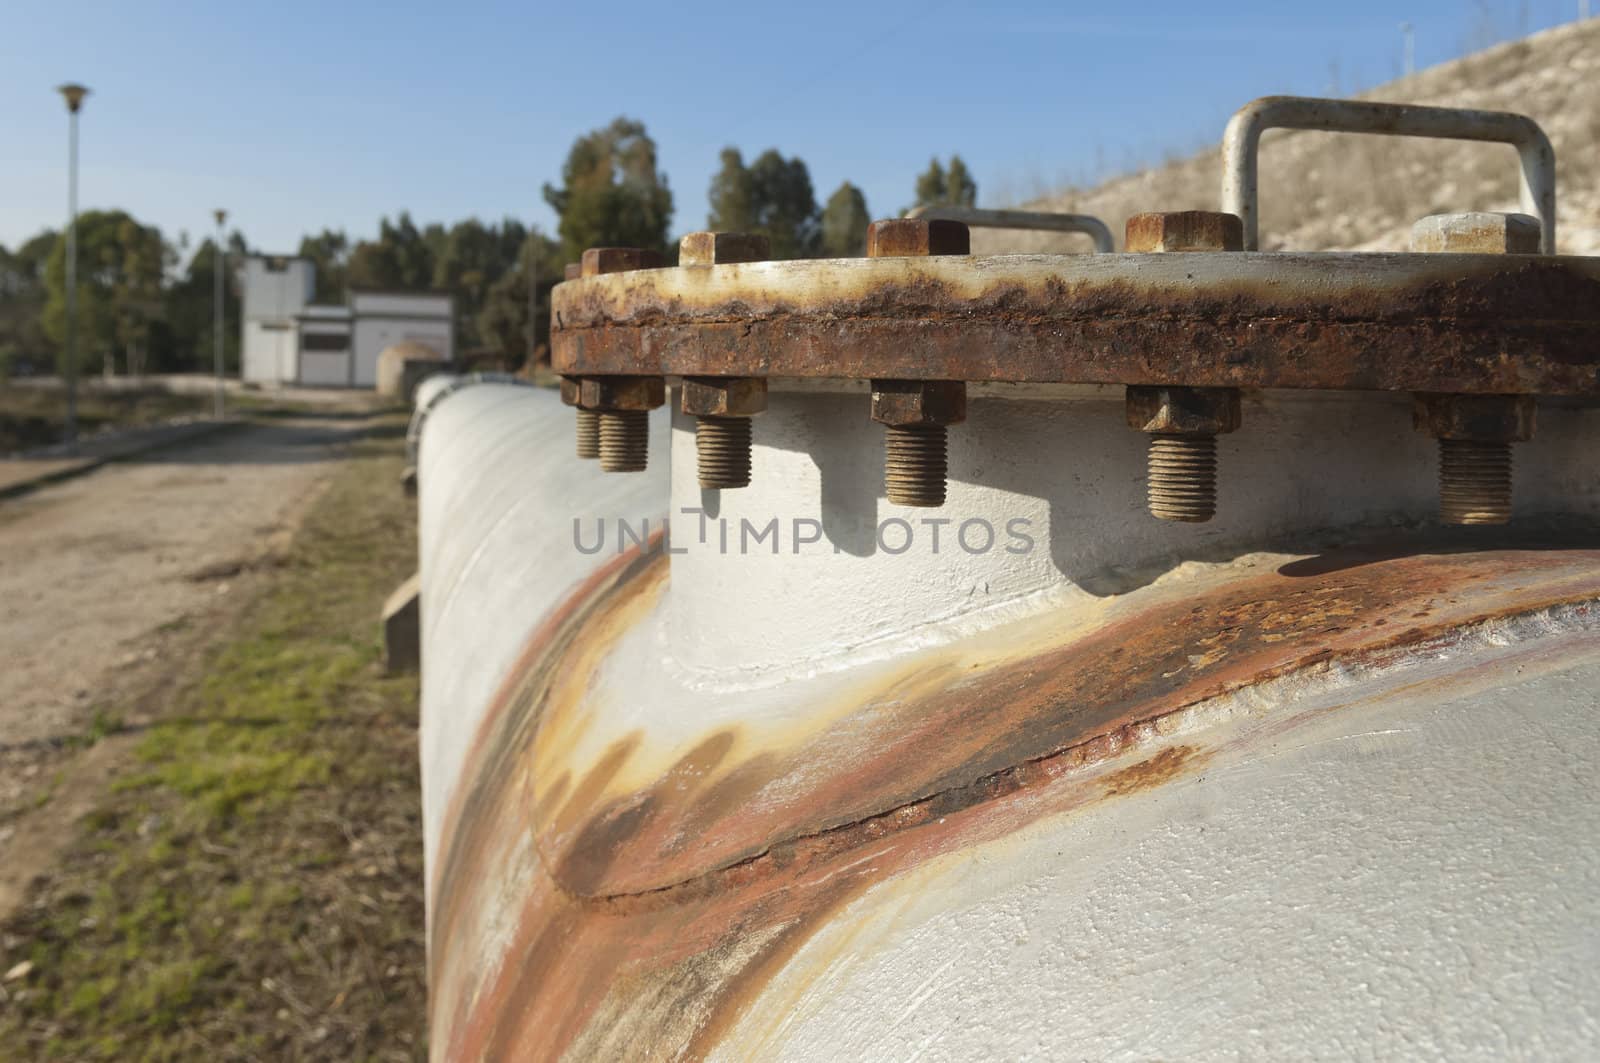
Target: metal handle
(1243, 137)
(1046, 221)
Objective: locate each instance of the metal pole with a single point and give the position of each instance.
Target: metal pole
(533, 297)
(1241, 142)
(217, 263)
(72, 278)
(1041, 221)
(1411, 48)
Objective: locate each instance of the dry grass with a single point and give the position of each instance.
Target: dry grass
(249, 887)
(1322, 192)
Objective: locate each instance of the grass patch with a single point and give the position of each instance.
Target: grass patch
(249, 887)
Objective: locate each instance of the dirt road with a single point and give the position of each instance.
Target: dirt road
(105, 577)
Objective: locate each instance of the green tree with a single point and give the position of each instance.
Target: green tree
(844, 223)
(190, 327)
(399, 259)
(772, 196)
(502, 322)
(938, 186)
(22, 302)
(611, 193)
(472, 259)
(930, 185)
(732, 196)
(329, 250)
(121, 265)
(959, 187)
(137, 301)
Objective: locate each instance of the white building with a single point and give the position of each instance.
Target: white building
(379, 319)
(289, 340)
(276, 288)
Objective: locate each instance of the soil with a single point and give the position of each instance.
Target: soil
(110, 581)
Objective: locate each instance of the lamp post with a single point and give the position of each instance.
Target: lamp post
(74, 95)
(217, 262)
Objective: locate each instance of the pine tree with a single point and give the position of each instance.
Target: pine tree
(844, 223)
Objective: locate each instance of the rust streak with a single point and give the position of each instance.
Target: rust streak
(667, 909)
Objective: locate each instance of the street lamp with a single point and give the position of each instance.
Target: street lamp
(74, 95)
(216, 259)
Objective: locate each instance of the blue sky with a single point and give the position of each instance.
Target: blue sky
(300, 116)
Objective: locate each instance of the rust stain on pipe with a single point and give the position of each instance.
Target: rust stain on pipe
(602, 913)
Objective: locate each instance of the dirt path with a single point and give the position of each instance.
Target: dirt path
(106, 580)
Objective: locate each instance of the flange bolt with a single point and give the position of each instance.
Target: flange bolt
(722, 406)
(915, 413)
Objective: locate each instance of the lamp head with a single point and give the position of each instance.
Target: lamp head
(73, 94)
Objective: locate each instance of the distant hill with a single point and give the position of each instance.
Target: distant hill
(1323, 192)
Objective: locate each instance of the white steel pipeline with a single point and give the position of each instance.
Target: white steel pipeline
(498, 489)
(1379, 820)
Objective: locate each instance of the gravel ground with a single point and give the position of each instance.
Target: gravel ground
(106, 575)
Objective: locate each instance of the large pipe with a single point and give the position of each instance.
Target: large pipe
(434, 389)
(497, 496)
(1241, 144)
(709, 803)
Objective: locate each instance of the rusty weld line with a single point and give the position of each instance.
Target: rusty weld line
(557, 630)
(899, 818)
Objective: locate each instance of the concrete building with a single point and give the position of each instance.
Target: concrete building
(287, 339)
(324, 347)
(276, 289)
(380, 319)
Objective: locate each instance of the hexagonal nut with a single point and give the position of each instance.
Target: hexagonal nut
(724, 396)
(1477, 232)
(1183, 411)
(719, 249)
(572, 271)
(910, 402)
(622, 392)
(1184, 230)
(598, 261)
(570, 388)
(917, 237)
(1482, 418)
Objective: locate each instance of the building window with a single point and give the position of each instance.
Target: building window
(324, 341)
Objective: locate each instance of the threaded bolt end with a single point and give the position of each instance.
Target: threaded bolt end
(915, 464)
(1182, 482)
(624, 440)
(722, 449)
(588, 433)
(1474, 482)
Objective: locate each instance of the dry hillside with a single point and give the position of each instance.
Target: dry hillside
(1322, 192)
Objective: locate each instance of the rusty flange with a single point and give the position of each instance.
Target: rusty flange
(1459, 323)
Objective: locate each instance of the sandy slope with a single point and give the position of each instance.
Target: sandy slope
(1327, 192)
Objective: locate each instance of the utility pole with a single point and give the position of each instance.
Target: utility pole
(533, 297)
(1410, 36)
(216, 343)
(74, 95)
